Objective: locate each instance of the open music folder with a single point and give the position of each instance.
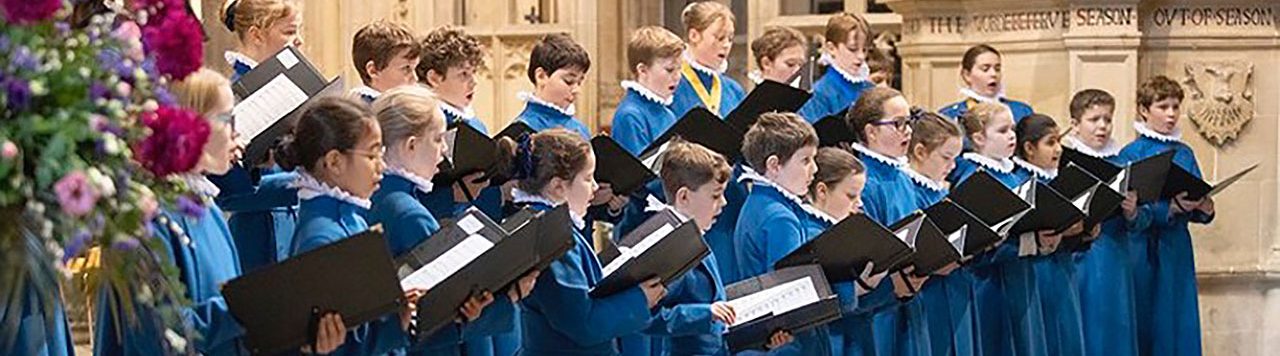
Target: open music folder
(793, 299)
(272, 96)
(614, 165)
(844, 249)
(1075, 182)
(1050, 210)
(704, 128)
(768, 96)
(277, 304)
(936, 249)
(662, 247)
(1182, 181)
(470, 152)
(833, 130)
(989, 200)
(950, 218)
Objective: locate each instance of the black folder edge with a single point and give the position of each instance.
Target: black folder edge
(1038, 212)
(755, 334)
(731, 150)
(975, 227)
(929, 238)
(231, 291)
(958, 195)
(833, 130)
(304, 74)
(450, 171)
(1148, 176)
(773, 96)
(809, 252)
(611, 158)
(617, 282)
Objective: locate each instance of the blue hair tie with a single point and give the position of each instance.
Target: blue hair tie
(230, 19)
(525, 160)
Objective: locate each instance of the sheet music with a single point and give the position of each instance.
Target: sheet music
(267, 105)
(470, 224)
(447, 264)
(628, 253)
(776, 300)
(1004, 226)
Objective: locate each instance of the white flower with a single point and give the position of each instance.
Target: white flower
(111, 144)
(104, 183)
(150, 105)
(38, 88)
(176, 340)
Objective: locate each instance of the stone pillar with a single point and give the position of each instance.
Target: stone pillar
(1102, 50)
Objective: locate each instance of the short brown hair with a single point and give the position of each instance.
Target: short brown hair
(239, 16)
(774, 41)
(1087, 98)
(970, 57)
(834, 164)
(700, 15)
(559, 153)
(778, 134)
(932, 130)
(557, 51)
(650, 43)
(379, 42)
(446, 47)
(690, 165)
(879, 61)
(1158, 88)
(406, 111)
(976, 119)
(868, 108)
(843, 25)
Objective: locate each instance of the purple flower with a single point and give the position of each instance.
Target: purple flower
(18, 91)
(163, 96)
(99, 91)
(176, 40)
(23, 60)
(5, 43)
(76, 194)
(126, 244)
(190, 206)
(28, 11)
(75, 246)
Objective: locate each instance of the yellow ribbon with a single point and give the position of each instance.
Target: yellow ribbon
(711, 99)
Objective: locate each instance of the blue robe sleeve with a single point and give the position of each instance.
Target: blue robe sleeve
(215, 324)
(629, 131)
(561, 295)
(496, 318)
(781, 235)
(239, 194)
(378, 337)
(684, 319)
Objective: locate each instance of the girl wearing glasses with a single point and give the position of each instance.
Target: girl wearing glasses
(880, 121)
(980, 70)
(1006, 297)
(337, 150)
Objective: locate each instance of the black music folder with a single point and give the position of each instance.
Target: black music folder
(1148, 175)
(989, 200)
(661, 247)
(1098, 167)
(1075, 182)
(844, 249)
(514, 130)
(794, 299)
(936, 249)
(950, 217)
(833, 130)
(704, 128)
(768, 96)
(614, 165)
(1182, 181)
(1049, 209)
(470, 151)
(271, 98)
(467, 256)
(277, 304)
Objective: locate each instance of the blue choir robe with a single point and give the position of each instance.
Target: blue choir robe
(641, 117)
(1165, 290)
(772, 225)
(635, 213)
(957, 109)
(1105, 278)
(541, 115)
(947, 300)
(263, 213)
(204, 253)
(40, 331)
(1006, 295)
(406, 223)
(832, 93)
(684, 324)
(331, 217)
(240, 64)
(560, 318)
(685, 98)
(720, 237)
(895, 327)
(814, 225)
(1059, 297)
(365, 94)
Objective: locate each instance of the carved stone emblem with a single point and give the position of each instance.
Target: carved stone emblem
(1219, 98)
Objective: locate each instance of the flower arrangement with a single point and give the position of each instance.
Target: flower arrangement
(90, 141)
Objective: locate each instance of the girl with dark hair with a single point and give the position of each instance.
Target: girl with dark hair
(980, 71)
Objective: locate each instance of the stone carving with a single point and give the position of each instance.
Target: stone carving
(1219, 98)
(517, 59)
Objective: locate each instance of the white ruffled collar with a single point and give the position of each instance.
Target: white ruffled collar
(863, 75)
(234, 57)
(895, 162)
(653, 204)
(969, 93)
(522, 197)
(200, 184)
(465, 114)
(534, 99)
(688, 58)
(423, 184)
(762, 181)
(1110, 150)
(1143, 130)
(1046, 174)
(366, 91)
(310, 188)
(646, 93)
(922, 180)
(1002, 166)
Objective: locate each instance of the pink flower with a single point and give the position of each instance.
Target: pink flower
(149, 206)
(176, 40)
(76, 194)
(127, 31)
(8, 150)
(29, 11)
(176, 142)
